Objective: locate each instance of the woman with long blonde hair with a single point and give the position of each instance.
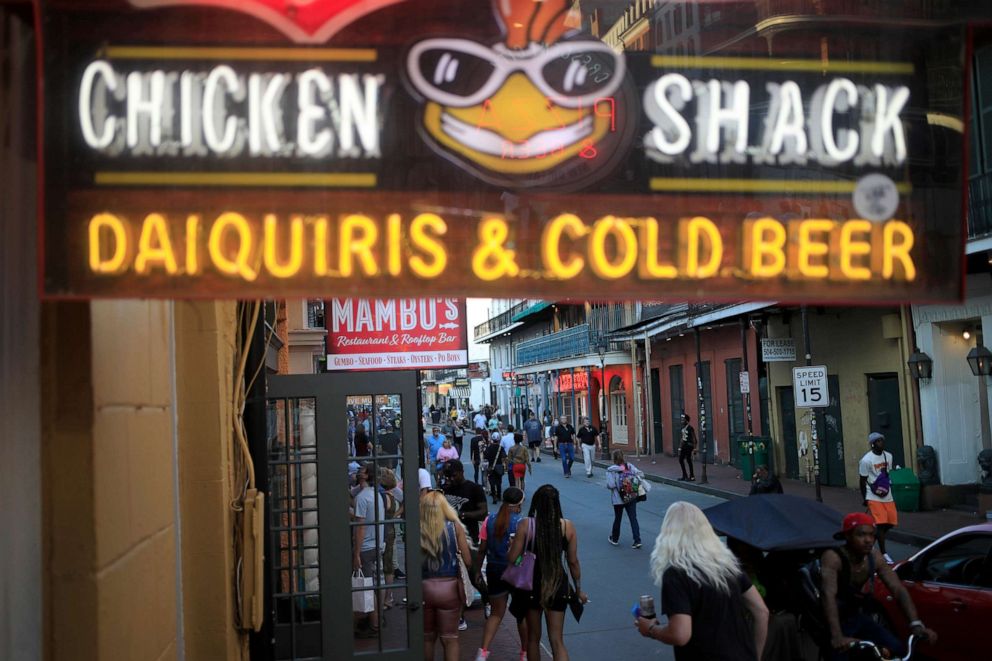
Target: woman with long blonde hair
(442, 538)
(702, 590)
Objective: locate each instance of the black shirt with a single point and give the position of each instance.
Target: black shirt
(587, 435)
(390, 442)
(712, 611)
(474, 448)
(771, 485)
(564, 433)
(466, 497)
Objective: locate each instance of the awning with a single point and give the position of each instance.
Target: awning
(534, 309)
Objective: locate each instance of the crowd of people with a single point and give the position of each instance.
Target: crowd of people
(528, 566)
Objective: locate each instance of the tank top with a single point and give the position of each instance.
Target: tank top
(497, 549)
(446, 565)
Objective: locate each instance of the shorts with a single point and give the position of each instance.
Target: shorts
(371, 564)
(534, 444)
(494, 580)
(519, 470)
(883, 513)
(442, 606)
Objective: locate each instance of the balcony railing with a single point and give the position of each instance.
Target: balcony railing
(575, 341)
(980, 206)
(500, 321)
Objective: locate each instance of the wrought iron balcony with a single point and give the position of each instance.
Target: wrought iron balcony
(500, 321)
(980, 206)
(575, 341)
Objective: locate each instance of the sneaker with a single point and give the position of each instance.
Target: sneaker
(611, 541)
(482, 655)
(462, 624)
(636, 545)
(888, 558)
(588, 474)
(538, 460)
(692, 479)
(567, 475)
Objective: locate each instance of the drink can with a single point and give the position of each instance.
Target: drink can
(647, 606)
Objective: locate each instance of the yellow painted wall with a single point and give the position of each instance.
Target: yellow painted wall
(108, 481)
(850, 343)
(109, 462)
(205, 336)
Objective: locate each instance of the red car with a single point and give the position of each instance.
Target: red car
(951, 584)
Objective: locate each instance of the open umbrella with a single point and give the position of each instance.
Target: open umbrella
(776, 522)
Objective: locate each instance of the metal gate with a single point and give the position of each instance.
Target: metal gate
(334, 443)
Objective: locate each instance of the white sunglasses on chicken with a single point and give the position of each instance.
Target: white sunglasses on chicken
(460, 73)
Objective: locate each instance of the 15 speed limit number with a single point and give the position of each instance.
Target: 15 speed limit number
(810, 386)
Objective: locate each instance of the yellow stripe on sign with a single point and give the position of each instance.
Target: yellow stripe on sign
(275, 179)
(833, 66)
(663, 184)
(270, 54)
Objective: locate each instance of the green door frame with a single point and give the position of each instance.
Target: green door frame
(330, 391)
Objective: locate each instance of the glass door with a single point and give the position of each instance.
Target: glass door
(342, 462)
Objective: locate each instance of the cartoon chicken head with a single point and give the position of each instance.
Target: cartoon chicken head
(522, 107)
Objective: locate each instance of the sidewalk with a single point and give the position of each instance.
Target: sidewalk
(916, 528)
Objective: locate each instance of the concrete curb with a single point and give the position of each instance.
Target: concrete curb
(896, 535)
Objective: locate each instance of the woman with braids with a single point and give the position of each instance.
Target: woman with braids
(442, 538)
(494, 544)
(553, 536)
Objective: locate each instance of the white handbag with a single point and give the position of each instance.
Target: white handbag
(362, 601)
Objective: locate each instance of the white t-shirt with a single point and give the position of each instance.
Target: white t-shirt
(365, 504)
(479, 421)
(506, 442)
(871, 467)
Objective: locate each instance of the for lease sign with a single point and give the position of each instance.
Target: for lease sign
(391, 334)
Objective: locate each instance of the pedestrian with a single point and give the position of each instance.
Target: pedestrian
(361, 442)
(495, 535)
(704, 593)
(623, 479)
(518, 460)
(565, 437)
(433, 443)
(435, 415)
(392, 500)
(446, 453)
(475, 446)
(506, 442)
(466, 497)
(367, 541)
(764, 482)
(589, 442)
(496, 458)
(442, 540)
(479, 420)
(876, 489)
(534, 432)
(687, 449)
(458, 435)
(389, 445)
(552, 535)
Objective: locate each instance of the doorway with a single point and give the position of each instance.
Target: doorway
(787, 409)
(325, 433)
(677, 393)
(885, 413)
(618, 412)
(657, 446)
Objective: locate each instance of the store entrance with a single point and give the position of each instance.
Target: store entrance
(342, 459)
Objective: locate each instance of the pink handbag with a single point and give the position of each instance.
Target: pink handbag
(521, 573)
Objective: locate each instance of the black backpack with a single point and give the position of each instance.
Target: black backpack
(808, 595)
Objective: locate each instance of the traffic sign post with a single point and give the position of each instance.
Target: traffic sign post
(809, 384)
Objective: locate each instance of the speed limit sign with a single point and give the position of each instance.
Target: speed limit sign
(810, 386)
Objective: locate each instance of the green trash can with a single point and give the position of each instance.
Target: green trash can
(752, 451)
(905, 489)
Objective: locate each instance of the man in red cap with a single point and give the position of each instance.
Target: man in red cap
(848, 581)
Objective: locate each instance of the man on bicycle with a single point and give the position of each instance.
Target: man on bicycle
(848, 580)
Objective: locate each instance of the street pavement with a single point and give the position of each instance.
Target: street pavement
(614, 577)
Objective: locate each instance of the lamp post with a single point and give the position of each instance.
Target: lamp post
(602, 346)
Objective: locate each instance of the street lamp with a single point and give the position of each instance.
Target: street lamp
(920, 365)
(980, 361)
(602, 346)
